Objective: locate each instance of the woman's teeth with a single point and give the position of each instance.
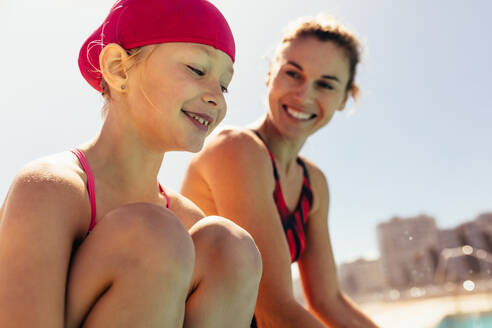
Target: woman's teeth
(297, 114)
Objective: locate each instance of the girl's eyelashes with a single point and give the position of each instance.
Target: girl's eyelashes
(196, 70)
(202, 73)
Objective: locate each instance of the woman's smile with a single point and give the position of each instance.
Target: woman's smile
(297, 114)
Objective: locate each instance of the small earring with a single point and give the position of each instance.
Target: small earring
(123, 87)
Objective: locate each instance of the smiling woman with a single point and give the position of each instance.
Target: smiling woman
(147, 257)
(277, 196)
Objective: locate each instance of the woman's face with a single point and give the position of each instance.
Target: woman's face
(306, 85)
(176, 95)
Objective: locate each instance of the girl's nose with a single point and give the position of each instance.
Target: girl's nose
(210, 99)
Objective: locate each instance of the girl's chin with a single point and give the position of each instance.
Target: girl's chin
(194, 147)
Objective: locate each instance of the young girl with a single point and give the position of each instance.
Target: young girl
(89, 237)
(280, 198)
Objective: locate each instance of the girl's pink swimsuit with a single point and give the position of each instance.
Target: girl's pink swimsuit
(90, 186)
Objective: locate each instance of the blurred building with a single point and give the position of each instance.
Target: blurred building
(484, 221)
(414, 252)
(465, 251)
(408, 248)
(361, 277)
(472, 234)
(451, 268)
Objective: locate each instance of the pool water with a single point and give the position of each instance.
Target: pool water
(475, 320)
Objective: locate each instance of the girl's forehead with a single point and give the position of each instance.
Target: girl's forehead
(186, 47)
(194, 53)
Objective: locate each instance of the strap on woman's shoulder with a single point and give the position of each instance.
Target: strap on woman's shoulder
(275, 171)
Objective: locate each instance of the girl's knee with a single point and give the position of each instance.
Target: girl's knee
(149, 235)
(230, 246)
(136, 249)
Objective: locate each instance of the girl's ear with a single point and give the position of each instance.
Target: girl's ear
(113, 60)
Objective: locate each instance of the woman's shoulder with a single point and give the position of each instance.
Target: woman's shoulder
(236, 154)
(232, 137)
(237, 143)
(188, 212)
(317, 180)
(314, 171)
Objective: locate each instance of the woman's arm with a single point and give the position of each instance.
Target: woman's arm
(38, 226)
(239, 175)
(318, 269)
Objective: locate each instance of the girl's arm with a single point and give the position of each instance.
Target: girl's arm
(40, 220)
(318, 269)
(239, 175)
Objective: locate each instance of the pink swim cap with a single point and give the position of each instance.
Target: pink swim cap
(136, 23)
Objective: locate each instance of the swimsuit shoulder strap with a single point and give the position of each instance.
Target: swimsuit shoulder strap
(306, 185)
(165, 195)
(304, 167)
(90, 184)
(275, 171)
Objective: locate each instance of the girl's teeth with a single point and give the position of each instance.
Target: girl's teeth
(200, 120)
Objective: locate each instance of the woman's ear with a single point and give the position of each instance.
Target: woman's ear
(344, 102)
(272, 72)
(113, 60)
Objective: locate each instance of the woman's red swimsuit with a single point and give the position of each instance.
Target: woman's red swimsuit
(294, 223)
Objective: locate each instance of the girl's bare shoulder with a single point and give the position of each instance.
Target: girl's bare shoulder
(54, 173)
(53, 185)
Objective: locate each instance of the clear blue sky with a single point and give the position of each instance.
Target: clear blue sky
(418, 142)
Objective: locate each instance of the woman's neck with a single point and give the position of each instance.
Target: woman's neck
(284, 149)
